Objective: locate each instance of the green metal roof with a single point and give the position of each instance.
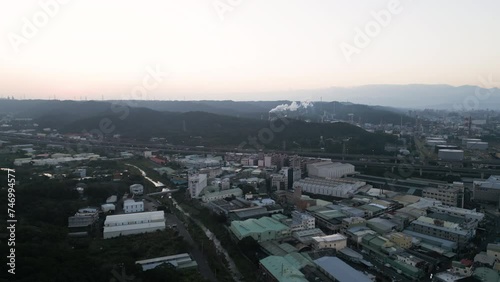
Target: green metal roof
(282, 269)
(486, 274)
(263, 224)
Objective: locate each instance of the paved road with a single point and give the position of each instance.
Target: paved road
(203, 266)
(235, 273)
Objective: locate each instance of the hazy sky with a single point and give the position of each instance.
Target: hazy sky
(88, 48)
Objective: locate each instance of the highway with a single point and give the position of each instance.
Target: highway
(380, 161)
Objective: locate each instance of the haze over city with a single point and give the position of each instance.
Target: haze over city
(251, 50)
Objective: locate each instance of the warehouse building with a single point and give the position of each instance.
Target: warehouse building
(278, 268)
(474, 145)
(134, 223)
(262, 229)
(451, 155)
(339, 187)
(180, 261)
(487, 190)
(220, 195)
(329, 170)
(338, 270)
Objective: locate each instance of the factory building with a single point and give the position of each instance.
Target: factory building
(134, 223)
(262, 229)
(451, 155)
(339, 187)
(477, 145)
(329, 170)
(487, 190)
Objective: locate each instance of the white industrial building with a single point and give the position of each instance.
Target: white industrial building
(458, 212)
(196, 184)
(329, 169)
(130, 206)
(134, 223)
(197, 161)
(136, 189)
(56, 159)
(339, 187)
(434, 141)
(451, 155)
(471, 140)
(335, 241)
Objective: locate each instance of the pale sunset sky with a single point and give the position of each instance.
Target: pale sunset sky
(90, 48)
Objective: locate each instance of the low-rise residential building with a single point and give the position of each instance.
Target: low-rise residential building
(381, 225)
(306, 236)
(402, 240)
(450, 195)
(379, 246)
(410, 259)
(442, 229)
(464, 269)
(335, 241)
(326, 218)
(302, 221)
(351, 222)
(458, 212)
(372, 210)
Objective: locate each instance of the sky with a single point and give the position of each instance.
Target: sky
(240, 49)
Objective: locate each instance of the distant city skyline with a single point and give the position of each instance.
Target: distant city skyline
(251, 50)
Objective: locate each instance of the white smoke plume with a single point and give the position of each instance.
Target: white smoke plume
(294, 106)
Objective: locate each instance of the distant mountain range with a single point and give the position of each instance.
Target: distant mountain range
(412, 96)
(207, 129)
(314, 112)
